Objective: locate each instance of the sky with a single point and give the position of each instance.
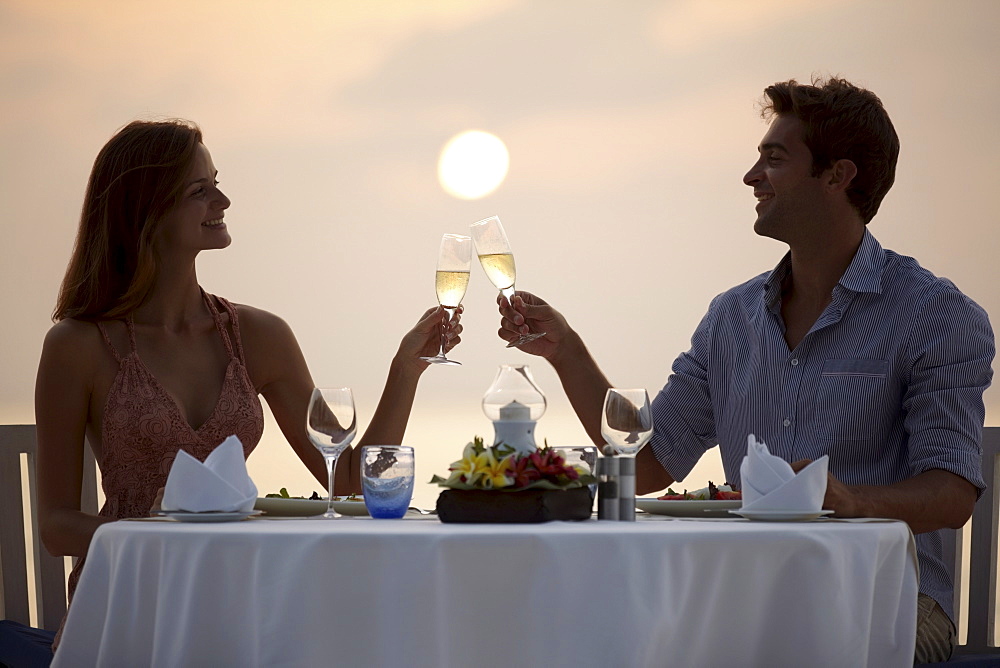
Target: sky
(629, 126)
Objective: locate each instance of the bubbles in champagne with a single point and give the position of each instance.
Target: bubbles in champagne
(499, 268)
(451, 286)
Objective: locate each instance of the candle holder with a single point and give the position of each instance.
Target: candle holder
(514, 403)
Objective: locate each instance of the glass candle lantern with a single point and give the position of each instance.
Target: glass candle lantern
(514, 403)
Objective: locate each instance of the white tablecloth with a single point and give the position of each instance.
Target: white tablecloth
(362, 592)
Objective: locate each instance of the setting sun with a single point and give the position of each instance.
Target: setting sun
(472, 164)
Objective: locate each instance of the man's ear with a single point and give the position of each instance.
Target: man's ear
(841, 174)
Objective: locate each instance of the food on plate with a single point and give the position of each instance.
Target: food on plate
(711, 493)
(283, 494)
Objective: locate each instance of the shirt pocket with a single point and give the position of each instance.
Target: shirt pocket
(851, 399)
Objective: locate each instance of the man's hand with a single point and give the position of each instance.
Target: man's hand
(527, 313)
(842, 499)
(928, 501)
(581, 378)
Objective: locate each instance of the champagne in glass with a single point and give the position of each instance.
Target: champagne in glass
(498, 263)
(331, 424)
(499, 268)
(626, 420)
(450, 282)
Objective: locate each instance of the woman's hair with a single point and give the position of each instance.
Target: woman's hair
(842, 121)
(138, 177)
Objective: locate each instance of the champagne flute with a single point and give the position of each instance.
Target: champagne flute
(626, 420)
(450, 281)
(498, 263)
(331, 424)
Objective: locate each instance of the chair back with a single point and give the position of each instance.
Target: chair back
(49, 584)
(983, 553)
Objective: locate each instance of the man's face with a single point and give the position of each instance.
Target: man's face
(789, 198)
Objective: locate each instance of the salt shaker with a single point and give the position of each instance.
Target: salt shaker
(608, 504)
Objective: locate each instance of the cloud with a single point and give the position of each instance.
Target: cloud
(693, 25)
(74, 60)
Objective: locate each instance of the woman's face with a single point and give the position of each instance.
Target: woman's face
(196, 222)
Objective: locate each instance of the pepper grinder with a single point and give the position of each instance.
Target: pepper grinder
(626, 489)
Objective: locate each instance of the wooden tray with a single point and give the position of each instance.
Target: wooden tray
(528, 506)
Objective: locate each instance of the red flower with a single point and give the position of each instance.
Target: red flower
(544, 464)
(523, 471)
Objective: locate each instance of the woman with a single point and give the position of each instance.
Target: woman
(144, 362)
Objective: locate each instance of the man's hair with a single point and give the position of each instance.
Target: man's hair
(842, 121)
(138, 177)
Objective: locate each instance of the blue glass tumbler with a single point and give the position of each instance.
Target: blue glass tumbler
(387, 479)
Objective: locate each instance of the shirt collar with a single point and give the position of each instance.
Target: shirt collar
(865, 271)
(864, 274)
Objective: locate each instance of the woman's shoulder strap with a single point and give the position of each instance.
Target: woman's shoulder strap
(102, 326)
(233, 318)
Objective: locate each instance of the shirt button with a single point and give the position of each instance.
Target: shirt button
(795, 362)
(787, 422)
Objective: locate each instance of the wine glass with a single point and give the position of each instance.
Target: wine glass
(498, 263)
(331, 425)
(626, 421)
(450, 281)
(584, 456)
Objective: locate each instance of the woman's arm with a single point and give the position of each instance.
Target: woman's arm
(393, 412)
(278, 370)
(280, 373)
(63, 390)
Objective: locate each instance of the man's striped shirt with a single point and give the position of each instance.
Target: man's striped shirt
(888, 382)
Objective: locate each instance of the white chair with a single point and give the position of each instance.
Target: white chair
(980, 609)
(49, 582)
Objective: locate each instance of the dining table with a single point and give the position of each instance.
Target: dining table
(357, 591)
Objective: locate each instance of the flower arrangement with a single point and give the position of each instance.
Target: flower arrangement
(497, 467)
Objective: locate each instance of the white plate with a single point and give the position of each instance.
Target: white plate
(278, 507)
(781, 515)
(184, 516)
(687, 508)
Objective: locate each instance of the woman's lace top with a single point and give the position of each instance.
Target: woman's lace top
(143, 427)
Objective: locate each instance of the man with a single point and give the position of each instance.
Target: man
(845, 348)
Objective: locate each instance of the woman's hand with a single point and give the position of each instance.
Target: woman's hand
(157, 502)
(427, 336)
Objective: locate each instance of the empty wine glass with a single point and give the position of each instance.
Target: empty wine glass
(498, 263)
(331, 425)
(583, 456)
(626, 421)
(451, 281)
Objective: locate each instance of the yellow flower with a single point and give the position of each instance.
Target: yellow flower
(468, 469)
(480, 468)
(495, 472)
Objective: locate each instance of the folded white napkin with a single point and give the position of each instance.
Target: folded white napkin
(221, 483)
(769, 483)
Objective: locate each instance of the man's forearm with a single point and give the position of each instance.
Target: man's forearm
(585, 386)
(584, 383)
(650, 476)
(932, 500)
